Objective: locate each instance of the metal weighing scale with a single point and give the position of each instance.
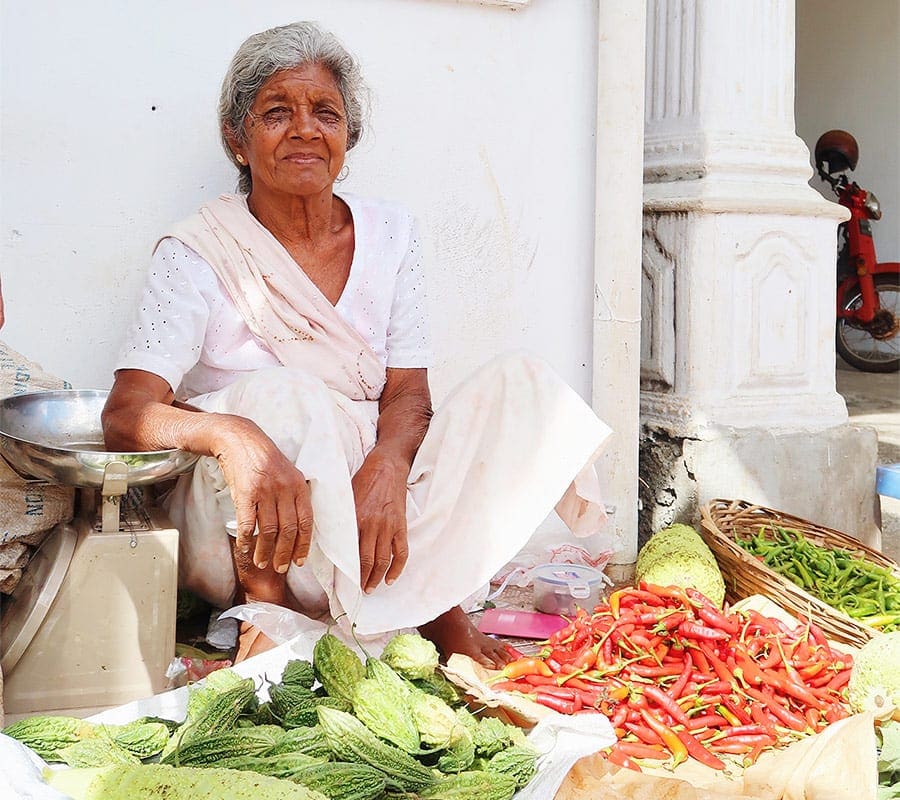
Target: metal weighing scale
(92, 622)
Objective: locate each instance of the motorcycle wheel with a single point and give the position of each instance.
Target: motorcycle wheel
(856, 345)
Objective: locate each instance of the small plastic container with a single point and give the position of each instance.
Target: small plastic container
(561, 588)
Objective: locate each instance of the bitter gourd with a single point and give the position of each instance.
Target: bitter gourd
(47, 734)
(337, 667)
(156, 781)
(474, 785)
(353, 742)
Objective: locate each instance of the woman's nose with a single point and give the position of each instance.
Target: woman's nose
(303, 124)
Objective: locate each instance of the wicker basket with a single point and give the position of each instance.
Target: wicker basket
(722, 520)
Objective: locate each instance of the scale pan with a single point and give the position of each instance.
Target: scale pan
(56, 436)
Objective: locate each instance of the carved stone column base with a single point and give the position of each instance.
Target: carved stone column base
(827, 478)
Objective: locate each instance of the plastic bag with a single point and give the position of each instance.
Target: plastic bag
(553, 544)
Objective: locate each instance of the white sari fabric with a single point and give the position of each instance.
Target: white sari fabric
(506, 446)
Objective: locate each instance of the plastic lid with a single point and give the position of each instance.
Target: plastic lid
(25, 610)
(577, 578)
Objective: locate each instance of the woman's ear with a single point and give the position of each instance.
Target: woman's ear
(233, 145)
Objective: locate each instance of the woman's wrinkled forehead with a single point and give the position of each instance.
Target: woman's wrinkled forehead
(312, 81)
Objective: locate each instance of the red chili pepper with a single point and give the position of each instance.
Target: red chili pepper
(539, 680)
(510, 686)
(618, 719)
(643, 733)
(635, 595)
(525, 666)
(801, 650)
(717, 687)
(692, 630)
(656, 672)
(812, 670)
(553, 665)
(617, 691)
(557, 691)
(607, 651)
(792, 688)
(698, 751)
(668, 592)
(728, 714)
(839, 680)
(665, 702)
(735, 709)
(772, 659)
(812, 716)
(621, 760)
(789, 718)
(748, 739)
(588, 698)
(700, 660)
(670, 739)
(586, 658)
(512, 652)
(556, 703)
(676, 689)
(746, 730)
(753, 755)
(835, 712)
(760, 718)
(819, 638)
(561, 635)
(640, 750)
(614, 601)
(707, 721)
(716, 619)
(734, 748)
(717, 664)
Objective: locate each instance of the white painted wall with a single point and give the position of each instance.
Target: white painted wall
(483, 124)
(848, 76)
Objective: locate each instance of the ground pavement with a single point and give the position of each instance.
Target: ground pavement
(874, 400)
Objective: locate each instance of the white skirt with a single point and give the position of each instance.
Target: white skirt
(510, 443)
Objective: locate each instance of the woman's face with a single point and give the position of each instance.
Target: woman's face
(296, 132)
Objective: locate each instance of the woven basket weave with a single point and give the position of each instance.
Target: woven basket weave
(744, 574)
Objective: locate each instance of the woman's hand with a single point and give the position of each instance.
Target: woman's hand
(141, 414)
(379, 488)
(269, 493)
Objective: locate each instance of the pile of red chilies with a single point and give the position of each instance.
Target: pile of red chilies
(679, 678)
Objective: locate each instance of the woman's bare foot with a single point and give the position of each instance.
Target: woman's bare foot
(251, 642)
(453, 632)
(254, 584)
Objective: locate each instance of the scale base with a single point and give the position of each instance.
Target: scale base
(108, 635)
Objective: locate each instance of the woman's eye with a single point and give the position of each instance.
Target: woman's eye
(329, 115)
(276, 115)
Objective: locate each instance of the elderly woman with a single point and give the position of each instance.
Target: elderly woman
(282, 335)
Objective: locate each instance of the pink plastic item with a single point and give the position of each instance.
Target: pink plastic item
(523, 624)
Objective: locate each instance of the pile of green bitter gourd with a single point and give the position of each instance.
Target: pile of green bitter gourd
(860, 589)
(332, 729)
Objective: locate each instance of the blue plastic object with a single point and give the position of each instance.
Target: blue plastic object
(887, 480)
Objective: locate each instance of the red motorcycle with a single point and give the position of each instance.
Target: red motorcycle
(868, 291)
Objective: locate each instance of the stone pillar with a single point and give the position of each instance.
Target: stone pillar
(737, 352)
(617, 258)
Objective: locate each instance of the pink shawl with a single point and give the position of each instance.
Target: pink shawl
(281, 305)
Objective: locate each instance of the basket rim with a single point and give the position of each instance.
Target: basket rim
(844, 540)
(719, 540)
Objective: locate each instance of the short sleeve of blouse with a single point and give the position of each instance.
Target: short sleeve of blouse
(408, 344)
(167, 333)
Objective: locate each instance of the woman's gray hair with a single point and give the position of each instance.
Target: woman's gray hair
(287, 47)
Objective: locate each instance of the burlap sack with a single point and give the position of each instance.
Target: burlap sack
(28, 509)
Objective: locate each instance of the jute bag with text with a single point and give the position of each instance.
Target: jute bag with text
(28, 510)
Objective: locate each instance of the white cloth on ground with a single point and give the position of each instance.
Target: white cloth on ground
(506, 446)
